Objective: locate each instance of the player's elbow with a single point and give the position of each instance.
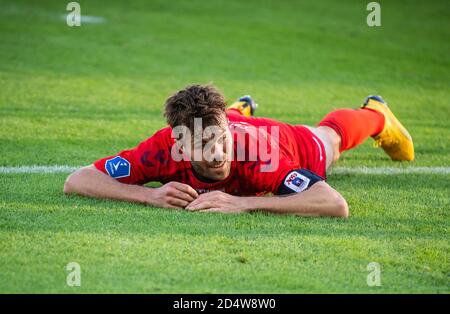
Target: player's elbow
(69, 184)
(340, 207)
(332, 202)
(72, 183)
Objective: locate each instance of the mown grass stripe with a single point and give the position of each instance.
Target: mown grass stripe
(337, 170)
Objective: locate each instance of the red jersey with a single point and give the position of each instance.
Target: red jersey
(151, 160)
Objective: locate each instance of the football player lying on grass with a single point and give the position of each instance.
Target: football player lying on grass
(213, 171)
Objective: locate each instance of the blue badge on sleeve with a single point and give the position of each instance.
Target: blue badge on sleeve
(118, 167)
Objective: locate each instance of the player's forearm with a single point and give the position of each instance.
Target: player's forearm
(319, 200)
(90, 182)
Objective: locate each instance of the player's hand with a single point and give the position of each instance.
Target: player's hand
(217, 201)
(173, 195)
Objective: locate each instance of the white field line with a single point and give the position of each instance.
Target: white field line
(38, 169)
(87, 19)
(389, 170)
(336, 170)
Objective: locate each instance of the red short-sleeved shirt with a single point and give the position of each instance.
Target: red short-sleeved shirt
(151, 160)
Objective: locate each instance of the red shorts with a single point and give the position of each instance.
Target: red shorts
(311, 150)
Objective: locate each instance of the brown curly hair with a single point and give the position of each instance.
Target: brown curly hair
(195, 101)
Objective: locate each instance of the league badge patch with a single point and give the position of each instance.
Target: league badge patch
(296, 182)
(118, 167)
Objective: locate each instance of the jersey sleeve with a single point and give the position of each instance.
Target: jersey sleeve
(261, 179)
(285, 179)
(297, 181)
(145, 163)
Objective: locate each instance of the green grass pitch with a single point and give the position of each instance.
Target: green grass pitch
(69, 96)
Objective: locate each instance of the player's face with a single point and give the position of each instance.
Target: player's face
(215, 147)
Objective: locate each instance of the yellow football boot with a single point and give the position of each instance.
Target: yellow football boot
(394, 138)
(245, 105)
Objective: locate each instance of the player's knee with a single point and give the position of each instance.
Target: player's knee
(335, 142)
(332, 142)
(336, 155)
